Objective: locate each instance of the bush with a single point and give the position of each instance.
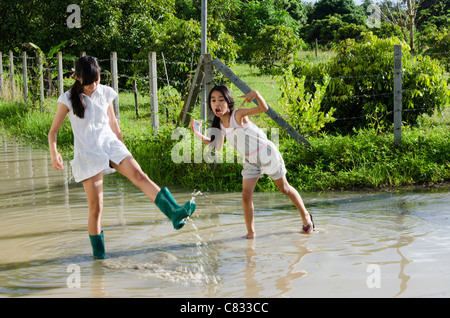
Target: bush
(303, 108)
(436, 42)
(361, 85)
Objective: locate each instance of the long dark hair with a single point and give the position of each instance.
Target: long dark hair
(228, 98)
(88, 70)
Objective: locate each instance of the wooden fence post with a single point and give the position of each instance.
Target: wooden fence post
(1, 74)
(11, 74)
(397, 94)
(25, 77)
(189, 102)
(41, 79)
(60, 74)
(115, 82)
(153, 81)
(135, 91)
(317, 48)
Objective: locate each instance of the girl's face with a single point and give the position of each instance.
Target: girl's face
(89, 89)
(219, 104)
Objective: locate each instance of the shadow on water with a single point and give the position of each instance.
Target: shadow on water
(366, 244)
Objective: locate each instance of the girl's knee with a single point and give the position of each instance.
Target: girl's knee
(247, 196)
(95, 207)
(139, 176)
(285, 188)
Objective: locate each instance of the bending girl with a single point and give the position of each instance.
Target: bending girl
(99, 149)
(261, 155)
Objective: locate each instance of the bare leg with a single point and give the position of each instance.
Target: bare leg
(131, 169)
(94, 193)
(248, 186)
(284, 186)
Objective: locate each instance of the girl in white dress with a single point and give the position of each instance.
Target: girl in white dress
(261, 156)
(99, 149)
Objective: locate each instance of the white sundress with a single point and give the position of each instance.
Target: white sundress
(95, 144)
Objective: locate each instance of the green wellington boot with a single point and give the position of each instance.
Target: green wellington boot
(98, 245)
(177, 214)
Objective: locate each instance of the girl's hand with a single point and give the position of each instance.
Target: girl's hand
(249, 97)
(57, 162)
(199, 127)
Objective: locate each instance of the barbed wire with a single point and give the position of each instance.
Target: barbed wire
(274, 81)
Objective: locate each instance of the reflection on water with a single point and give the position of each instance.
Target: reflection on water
(389, 244)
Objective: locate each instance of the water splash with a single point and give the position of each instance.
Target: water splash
(204, 253)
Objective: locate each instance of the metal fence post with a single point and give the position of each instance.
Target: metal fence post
(397, 94)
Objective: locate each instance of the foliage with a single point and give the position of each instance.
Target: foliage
(436, 41)
(255, 15)
(181, 42)
(368, 159)
(272, 45)
(304, 109)
(48, 63)
(361, 84)
(365, 159)
(346, 8)
(324, 30)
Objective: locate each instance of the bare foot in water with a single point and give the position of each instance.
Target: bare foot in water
(250, 235)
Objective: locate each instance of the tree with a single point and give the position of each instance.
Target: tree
(403, 13)
(271, 46)
(326, 17)
(433, 12)
(346, 8)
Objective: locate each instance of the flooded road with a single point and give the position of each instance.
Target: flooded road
(366, 244)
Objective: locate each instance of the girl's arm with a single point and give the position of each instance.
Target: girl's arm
(113, 122)
(217, 143)
(241, 114)
(61, 113)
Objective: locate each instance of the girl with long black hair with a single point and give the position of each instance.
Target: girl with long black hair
(261, 156)
(99, 149)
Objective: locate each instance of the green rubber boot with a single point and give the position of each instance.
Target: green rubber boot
(98, 245)
(177, 214)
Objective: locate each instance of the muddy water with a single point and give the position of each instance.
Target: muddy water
(365, 244)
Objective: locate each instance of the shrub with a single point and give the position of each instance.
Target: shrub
(303, 108)
(361, 85)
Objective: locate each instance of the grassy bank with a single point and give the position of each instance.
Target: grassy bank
(365, 159)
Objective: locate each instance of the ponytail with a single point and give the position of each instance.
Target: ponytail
(77, 99)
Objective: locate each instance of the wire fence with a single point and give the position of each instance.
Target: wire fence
(35, 79)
